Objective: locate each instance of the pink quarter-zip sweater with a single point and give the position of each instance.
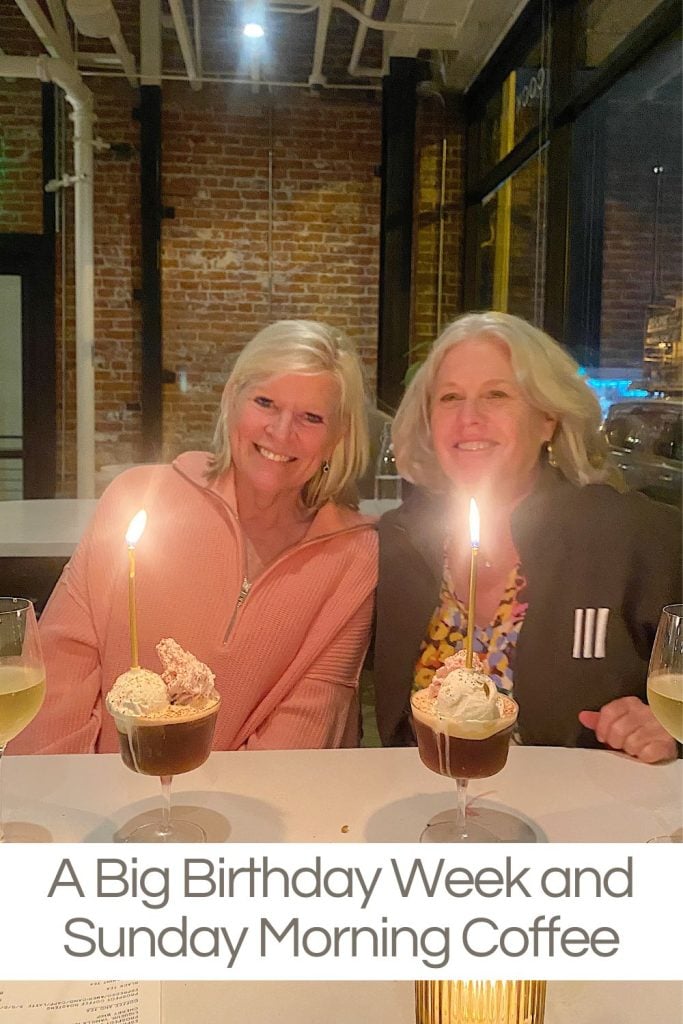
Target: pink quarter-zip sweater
(287, 656)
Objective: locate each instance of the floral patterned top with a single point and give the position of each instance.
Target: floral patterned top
(494, 644)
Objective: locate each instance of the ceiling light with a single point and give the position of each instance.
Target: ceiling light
(252, 30)
(253, 18)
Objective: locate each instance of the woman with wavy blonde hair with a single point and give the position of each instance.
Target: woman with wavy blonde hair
(254, 559)
(573, 573)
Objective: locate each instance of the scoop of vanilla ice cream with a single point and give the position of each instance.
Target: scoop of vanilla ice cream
(467, 695)
(138, 693)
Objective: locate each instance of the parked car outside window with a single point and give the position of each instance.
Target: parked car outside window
(646, 438)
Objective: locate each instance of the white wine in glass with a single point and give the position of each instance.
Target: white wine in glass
(665, 681)
(665, 674)
(22, 672)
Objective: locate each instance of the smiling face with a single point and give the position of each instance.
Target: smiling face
(284, 428)
(484, 429)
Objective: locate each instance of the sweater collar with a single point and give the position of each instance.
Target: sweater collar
(331, 518)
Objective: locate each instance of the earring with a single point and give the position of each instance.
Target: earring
(326, 466)
(552, 461)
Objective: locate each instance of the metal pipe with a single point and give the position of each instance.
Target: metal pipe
(150, 42)
(316, 77)
(389, 26)
(228, 80)
(187, 49)
(85, 305)
(361, 33)
(97, 19)
(197, 29)
(42, 28)
(126, 57)
(61, 26)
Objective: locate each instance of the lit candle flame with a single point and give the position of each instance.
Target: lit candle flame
(474, 524)
(136, 528)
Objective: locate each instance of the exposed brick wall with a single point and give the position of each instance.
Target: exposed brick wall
(237, 255)
(117, 274)
(220, 285)
(21, 173)
(432, 118)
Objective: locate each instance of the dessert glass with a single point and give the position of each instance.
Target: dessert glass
(461, 750)
(167, 745)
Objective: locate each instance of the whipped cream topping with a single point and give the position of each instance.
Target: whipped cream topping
(464, 694)
(138, 693)
(468, 696)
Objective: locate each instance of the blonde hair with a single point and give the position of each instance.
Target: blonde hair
(549, 379)
(304, 346)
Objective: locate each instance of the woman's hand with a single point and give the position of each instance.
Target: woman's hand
(628, 724)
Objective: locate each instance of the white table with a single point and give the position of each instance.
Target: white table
(43, 527)
(53, 526)
(382, 796)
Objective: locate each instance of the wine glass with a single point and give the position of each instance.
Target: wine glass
(665, 681)
(462, 751)
(178, 742)
(22, 672)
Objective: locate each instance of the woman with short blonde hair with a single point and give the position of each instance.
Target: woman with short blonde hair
(254, 559)
(572, 573)
(306, 347)
(546, 374)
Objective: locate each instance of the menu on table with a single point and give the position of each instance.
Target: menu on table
(80, 1002)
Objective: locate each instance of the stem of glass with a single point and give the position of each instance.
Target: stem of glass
(165, 823)
(461, 806)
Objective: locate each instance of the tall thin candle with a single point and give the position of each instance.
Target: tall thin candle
(133, 534)
(472, 600)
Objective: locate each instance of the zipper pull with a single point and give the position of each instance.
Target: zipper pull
(244, 590)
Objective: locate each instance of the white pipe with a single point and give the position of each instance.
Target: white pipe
(85, 301)
(61, 26)
(196, 24)
(150, 42)
(97, 19)
(316, 76)
(42, 28)
(361, 33)
(389, 26)
(186, 46)
(51, 69)
(229, 80)
(126, 57)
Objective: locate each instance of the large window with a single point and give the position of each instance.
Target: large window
(574, 184)
(511, 232)
(628, 144)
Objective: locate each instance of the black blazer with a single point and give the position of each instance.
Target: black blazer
(586, 553)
